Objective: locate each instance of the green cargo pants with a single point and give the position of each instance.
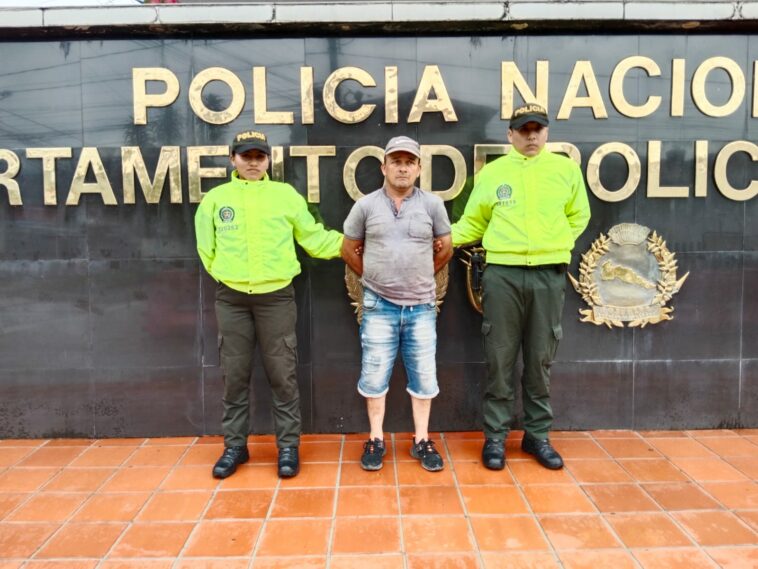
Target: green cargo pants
(522, 309)
(268, 319)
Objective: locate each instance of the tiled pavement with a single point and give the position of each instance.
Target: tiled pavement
(625, 499)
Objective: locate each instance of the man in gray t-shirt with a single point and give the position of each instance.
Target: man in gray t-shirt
(396, 226)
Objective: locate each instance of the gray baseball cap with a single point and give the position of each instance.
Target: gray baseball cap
(403, 144)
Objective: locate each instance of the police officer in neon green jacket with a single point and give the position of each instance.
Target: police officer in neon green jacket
(245, 230)
(528, 208)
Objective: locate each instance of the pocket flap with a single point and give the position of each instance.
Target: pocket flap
(558, 332)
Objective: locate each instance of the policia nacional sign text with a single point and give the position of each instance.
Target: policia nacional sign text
(157, 88)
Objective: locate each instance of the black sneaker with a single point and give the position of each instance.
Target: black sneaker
(427, 454)
(373, 453)
(227, 464)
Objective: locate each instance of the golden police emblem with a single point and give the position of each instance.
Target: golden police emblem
(627, 276)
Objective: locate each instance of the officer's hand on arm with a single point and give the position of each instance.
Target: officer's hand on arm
(351, 256)
(444, 253)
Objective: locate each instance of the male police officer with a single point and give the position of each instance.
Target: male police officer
(245, 231)
(396, 226)
(527, 207)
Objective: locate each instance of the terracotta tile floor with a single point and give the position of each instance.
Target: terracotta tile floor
(625, 499)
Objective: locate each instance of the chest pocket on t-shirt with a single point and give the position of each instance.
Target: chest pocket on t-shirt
(420, 226)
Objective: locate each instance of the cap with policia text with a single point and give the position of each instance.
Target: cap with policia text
(403, 144)
(250, 140)
(531, 112)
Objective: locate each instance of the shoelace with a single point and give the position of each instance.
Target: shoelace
(428, 447)
(371, 447)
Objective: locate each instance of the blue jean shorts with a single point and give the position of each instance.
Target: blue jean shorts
(387, 326)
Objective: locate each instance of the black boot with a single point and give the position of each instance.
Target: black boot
(227, 464)
(546, 455)
(289, 462)
(493, 454)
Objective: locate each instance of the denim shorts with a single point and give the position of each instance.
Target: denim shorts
(387, 326)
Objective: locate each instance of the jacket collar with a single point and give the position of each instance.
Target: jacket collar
(518, 157)
(235, 177)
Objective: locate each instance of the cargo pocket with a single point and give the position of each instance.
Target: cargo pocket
(556, 338)
(290, 342)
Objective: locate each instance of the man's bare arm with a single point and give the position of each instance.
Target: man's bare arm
(443, 255)
(350, 248)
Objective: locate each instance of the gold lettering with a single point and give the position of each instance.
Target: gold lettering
(459, 167)
(565, 148)
(482, 151)
(431, 80)
(633, 177)
(169, 163)
(701, 168)
(49, 156)
(511, 77)
(306, 94)
(390, 95)
(312, 155)
(677, 87)
(363, 78)
(351, 165)
(654, 188)
(737, 78)
(90, 158)
(260, 98)
(617, 87)
(582, 73)
(196, 173)
(720, 171)
(141, 100)
(11, 171)
(225, 76)
(277, 163)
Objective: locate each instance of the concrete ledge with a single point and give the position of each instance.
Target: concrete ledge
(416, 16)
(99, 16)
(331, 12)
(214, 13)
(566, 11)
(749, 10)
(443, 11)
(680, 11)
(21, 18)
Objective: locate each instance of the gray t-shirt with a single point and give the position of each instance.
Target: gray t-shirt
(398, 260)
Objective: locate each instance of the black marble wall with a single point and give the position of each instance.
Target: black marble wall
(106, 317)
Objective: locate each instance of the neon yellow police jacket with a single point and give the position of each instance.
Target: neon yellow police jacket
(245, 231)
(526, 211)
